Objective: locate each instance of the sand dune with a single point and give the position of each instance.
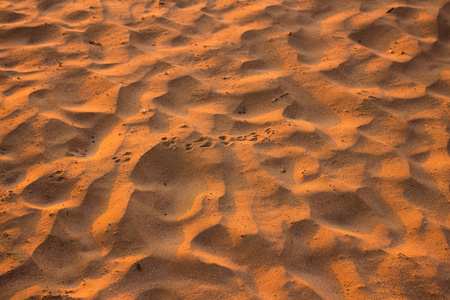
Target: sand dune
(223, 149)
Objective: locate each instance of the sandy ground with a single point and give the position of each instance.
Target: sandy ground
(222, 149)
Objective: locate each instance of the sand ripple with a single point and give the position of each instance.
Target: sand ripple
(205, 149)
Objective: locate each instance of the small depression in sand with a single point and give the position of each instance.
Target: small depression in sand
(345, 211)
(49, 190)
(171, 179)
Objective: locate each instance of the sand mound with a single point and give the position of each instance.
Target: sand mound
(205, 149)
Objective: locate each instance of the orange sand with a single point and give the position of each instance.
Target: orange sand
(223, 149)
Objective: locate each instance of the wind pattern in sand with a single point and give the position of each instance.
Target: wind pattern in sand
(222, 149)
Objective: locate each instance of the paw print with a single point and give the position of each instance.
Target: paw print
(204, 142)
(225, 140)
(125, 157)
(57, 176)
(169, 142)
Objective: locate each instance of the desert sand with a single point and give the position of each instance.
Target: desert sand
(223, 149)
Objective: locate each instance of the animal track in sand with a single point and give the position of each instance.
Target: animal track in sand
(208, 141)
(125, 157)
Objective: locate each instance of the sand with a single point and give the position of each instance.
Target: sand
(223, 149)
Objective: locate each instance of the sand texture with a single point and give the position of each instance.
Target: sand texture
(223, 149)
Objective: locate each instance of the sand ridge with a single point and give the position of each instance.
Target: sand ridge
(223, 149)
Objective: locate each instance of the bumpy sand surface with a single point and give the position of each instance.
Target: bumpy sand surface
(223, 149)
